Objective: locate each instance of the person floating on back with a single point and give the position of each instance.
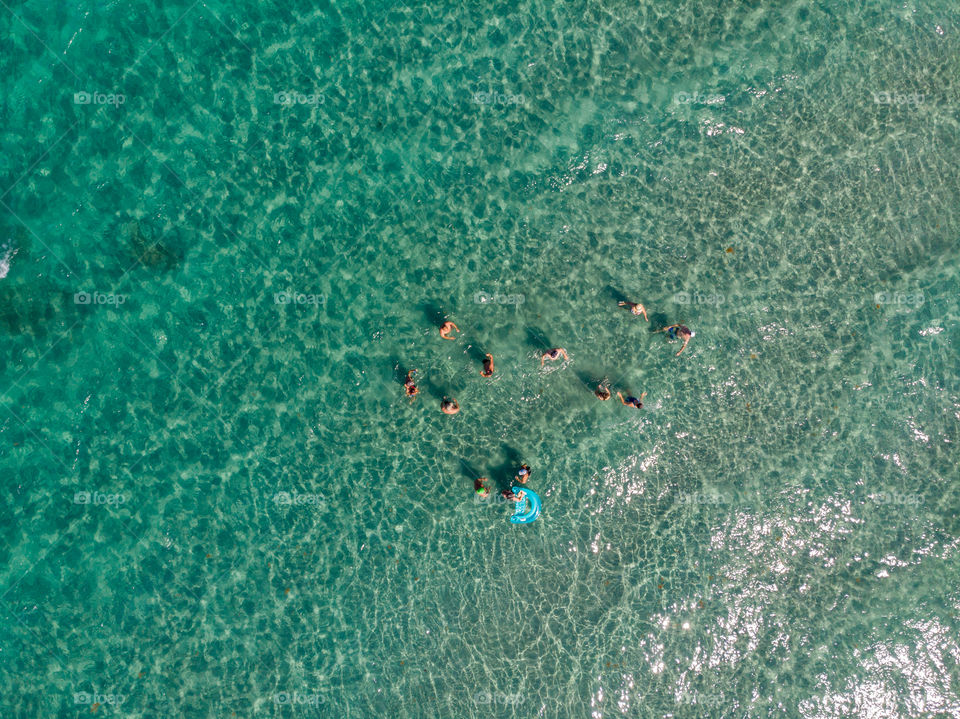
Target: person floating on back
(409, 385)
(449, 406)
(602, 391)
(679, 332)
(487, 370)
(636, 308)
(511, 496)
(523, 474)
(553, 354)
(632, 401)
(446, 328)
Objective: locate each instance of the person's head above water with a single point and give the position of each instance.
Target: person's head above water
(487, 370)
(523, 474)
(446, 328)
(409, 384)
(449, 406)
(553, 354)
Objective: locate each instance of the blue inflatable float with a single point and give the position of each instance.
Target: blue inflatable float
(527, 509)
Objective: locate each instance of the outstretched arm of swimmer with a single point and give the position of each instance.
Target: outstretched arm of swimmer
(685, 341)
(564, 353)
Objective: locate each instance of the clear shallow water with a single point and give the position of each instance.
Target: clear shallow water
(218, 504)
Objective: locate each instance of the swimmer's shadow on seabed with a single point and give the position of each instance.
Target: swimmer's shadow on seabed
(502, 474)
(591, 380)
(616, 294)
(434, 314)
(476, 352)
(538, 339)
(658, 320)
(469, 471)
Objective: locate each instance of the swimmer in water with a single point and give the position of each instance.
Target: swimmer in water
(409, 385)
(481, 488)
(487, 370)
(449, 406)
(553, 354)
(679, 332)
(632, 401)
(523, 474)
(446, 328)
(636, 308)
(512, 496)
(602, 391)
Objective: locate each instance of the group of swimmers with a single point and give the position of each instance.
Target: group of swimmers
(449, 405)
(513, 494)
(674, 332)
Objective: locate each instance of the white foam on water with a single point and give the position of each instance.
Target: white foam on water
(6, 254)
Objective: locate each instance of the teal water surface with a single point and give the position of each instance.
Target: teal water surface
(227, 230)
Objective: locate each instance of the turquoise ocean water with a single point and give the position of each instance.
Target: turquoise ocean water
(228, 229)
